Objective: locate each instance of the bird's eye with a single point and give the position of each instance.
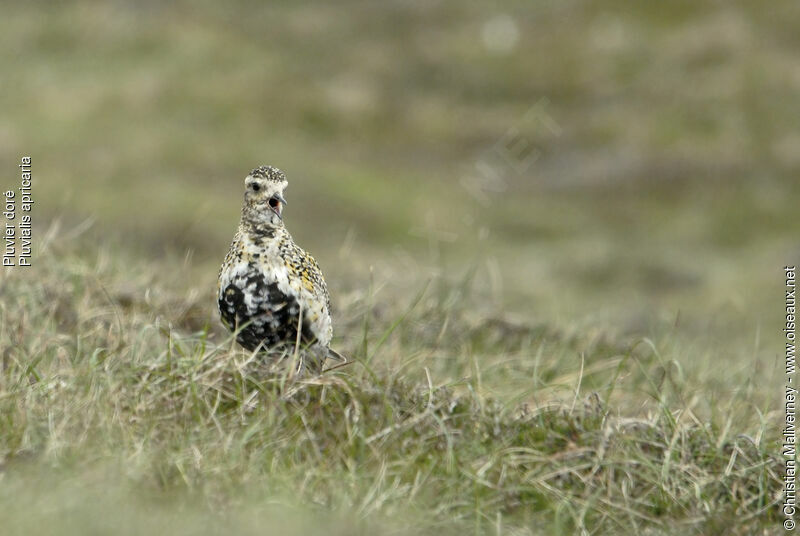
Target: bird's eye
(255, 186)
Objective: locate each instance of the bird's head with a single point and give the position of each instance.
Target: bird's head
(263, 195)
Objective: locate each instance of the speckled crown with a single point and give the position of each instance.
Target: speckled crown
(268, 172)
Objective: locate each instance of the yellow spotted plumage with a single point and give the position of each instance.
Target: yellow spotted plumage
(269, 289)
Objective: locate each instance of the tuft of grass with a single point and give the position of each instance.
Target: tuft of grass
(120, 399)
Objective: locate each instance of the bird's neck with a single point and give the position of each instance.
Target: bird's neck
(262, 227)
(260, 217)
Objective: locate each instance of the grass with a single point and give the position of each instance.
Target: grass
(585, 341)
(141, 409)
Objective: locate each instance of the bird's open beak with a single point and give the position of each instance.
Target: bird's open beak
(278, 207)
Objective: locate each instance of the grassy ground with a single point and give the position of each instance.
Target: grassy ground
(555, 257)
(449, 421)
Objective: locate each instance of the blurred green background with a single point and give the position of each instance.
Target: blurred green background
(630, 166)
(602, 174)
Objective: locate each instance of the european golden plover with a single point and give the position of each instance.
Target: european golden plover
(269, 289)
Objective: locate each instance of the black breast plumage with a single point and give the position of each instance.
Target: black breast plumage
(264, 316)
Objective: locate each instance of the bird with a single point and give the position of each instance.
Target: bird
(271, 294)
